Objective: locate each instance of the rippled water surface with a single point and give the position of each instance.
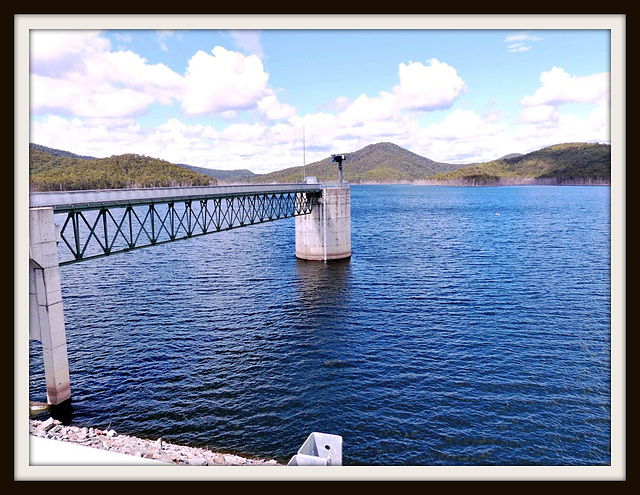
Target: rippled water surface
(470, 327)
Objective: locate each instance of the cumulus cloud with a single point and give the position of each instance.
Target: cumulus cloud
(54, 53)
(88, 136)
(558, 87)
(226, 82)
(544, 125)
(433, 86)
(223, 80)
(365, 109)
(543, 121)
(273, 109)
(463, 125)
(75, 73)
(391, 115)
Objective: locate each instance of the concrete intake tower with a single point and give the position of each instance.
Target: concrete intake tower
(325, 233)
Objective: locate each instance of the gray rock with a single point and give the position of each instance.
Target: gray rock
(158, 449)
(54, 430)
(197, 461)
(47, 425)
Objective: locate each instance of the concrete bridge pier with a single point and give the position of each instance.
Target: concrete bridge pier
(325, 233)
(46, 319)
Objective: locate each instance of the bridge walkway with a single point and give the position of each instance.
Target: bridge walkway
(102, 222)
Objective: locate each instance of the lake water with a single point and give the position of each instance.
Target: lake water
(471, 326)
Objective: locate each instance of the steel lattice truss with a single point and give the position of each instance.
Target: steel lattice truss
(92, 232)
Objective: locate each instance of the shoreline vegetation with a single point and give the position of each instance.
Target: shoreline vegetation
(382, 163)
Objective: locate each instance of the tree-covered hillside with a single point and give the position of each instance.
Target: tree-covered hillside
(571, 163)
(55, 152)
(558, 164)
(59, 173)
(381, 162)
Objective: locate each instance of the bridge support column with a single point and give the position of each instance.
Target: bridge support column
(325, 233)
(46, 319)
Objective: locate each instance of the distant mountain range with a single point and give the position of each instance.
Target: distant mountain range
(381, 163)
(375, 163)
(238, 175)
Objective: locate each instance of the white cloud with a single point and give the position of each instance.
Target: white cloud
(54, 53)
(463, 125)
(540, 113)
(162, 36)
(223, 81)
(74, 73)
(543, 121)
(518, 42)
(321, 129)
(558, 87)
(390, 116)
(433, 86)
(543, 126)
(248, 41)
(88, 136)
(246, 133)
(518, 47)
(364, 109)
(95, 92)
(522, 36)
(274, 109)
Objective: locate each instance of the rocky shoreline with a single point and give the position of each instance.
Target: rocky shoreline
(150, 449)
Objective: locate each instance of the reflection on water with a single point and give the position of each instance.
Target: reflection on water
(323, 284)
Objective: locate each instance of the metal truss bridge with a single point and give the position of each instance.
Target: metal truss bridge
(102, 222)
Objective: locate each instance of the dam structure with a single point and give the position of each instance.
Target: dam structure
(325, 234)
(76, 226)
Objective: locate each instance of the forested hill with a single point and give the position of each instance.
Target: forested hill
(237, 175)
(55, 152)
(570, 163)
(66, 172)
(381, 162)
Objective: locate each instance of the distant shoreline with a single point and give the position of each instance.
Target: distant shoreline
(498, 182)
(501, 182)
(467, 183)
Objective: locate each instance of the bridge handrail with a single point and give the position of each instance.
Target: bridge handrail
(89, 199)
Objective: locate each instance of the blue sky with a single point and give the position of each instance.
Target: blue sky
(240, 99)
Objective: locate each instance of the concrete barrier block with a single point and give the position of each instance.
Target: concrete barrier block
(319, 449)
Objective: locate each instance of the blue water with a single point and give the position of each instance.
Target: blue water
(470, 327)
